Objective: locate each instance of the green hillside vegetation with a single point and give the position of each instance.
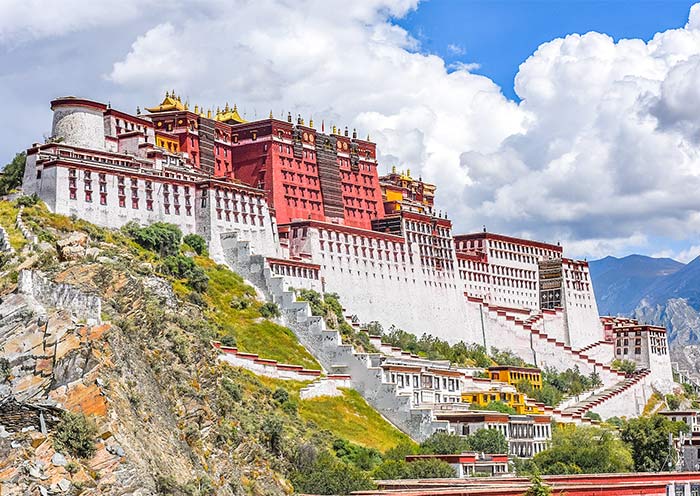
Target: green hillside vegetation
(351, 417)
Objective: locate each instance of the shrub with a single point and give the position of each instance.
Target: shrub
(75, 434)
(592, 415)
(241, 302)
(27, 200)
(197, 243)
(5, 370)
(232, 389)
(272, 431)
(270, 310)
(183, 267)
(160, 237)
(280, 395)
(228, 340)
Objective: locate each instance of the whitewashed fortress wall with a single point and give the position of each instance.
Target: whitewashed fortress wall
(108, 167)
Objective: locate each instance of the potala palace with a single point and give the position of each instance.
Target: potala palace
(290, 206)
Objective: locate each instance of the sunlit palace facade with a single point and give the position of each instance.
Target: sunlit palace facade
(313, 202)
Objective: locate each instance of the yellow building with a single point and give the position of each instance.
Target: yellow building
(517, 401)
(515, 375)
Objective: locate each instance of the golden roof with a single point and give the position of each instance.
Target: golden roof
(230, 115)
(170, 102)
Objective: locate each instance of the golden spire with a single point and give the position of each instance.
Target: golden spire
(393, 169)
(218, 110)
(271, 115)
(335, 130)
(196, 109)
(311, 122)
(227, 108)
(235, 107)
(209, 114)
(368, 137)
(187, 105)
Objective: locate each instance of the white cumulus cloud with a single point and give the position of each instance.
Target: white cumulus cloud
(602, 152)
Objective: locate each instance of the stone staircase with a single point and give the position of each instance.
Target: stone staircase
(545, 350)
(327, 346)
(590, 403)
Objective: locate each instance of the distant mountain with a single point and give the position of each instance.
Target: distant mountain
(657, 291)
(621, 283)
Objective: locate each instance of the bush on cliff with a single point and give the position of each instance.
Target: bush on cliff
(75, 434)
(197, 243)
(160, 237)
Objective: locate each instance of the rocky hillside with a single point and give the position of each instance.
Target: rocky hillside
(109, 383)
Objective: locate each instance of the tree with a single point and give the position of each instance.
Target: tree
(197, 243)
(328, 475)
(442, 443)
(12, 174)
(489, 441)
(496, 406)
(537, 487)
(418, 469)
(626, 366)
(648, 439)
(401, 451)
(584, 450)
(429, 469)
(673, 402)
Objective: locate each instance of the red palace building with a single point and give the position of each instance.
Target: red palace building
(306, 174)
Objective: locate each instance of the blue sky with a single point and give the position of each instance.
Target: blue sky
(600, 149)
(500, 34)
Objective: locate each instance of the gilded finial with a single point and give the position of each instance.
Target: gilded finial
(172, 94)
(226, 109)
(187, 105)
(367, 136)
(167, 95)
(235, 108)
(335, 130)
(311, 122)
(270, 114)
(289, 117)
(408, 172)
(196, 109)
(346, 130)
(354, 133)
(393, 169)
(209, 114)
(138, 110)
(218, 110)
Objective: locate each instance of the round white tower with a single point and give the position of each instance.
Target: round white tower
(79, 122)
